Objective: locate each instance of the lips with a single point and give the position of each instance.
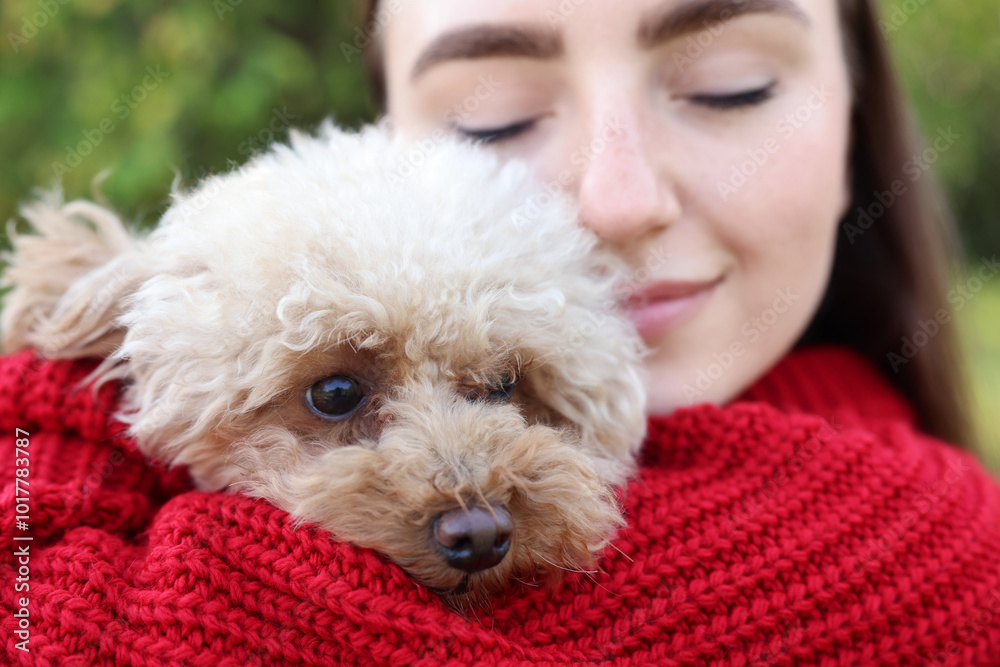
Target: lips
(666, 305)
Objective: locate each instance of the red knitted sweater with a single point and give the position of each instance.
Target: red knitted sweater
(806, 523)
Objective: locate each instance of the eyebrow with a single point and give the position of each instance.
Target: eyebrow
(528, 41)
(670, 23)
(490, 41)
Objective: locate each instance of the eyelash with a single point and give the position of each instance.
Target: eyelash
(498, 134)
(746, 98)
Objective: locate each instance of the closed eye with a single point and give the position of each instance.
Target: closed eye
(497, 134)
(745, 98)
(499, 391)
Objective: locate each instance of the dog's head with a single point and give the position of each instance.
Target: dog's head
(411, 345)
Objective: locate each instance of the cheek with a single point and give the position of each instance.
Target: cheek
(795, 207)
(778, 231)
(787, 212)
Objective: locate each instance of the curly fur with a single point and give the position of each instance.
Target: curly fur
(317, 259)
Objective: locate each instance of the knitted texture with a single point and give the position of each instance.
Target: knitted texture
(806, 523)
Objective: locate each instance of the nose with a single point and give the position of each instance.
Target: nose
(475, 539)
(624, 191)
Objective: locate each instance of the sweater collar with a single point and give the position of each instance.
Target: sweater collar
(831, 381)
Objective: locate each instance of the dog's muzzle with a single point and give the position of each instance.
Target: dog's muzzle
(475, 539)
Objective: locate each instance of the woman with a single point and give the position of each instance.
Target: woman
(747, 140)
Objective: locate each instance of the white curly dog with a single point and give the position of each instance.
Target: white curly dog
(403, 356)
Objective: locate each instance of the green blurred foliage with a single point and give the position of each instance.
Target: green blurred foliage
(979, 325)
(949, 57)
(231, 75)
(149, 90)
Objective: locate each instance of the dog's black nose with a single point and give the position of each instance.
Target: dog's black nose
(473, 540)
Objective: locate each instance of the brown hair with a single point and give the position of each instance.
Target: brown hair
(897, 250)
(894, 258)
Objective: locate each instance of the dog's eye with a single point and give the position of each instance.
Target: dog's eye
(500, 391)
(336, 397)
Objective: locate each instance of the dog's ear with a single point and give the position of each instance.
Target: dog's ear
(68, 279)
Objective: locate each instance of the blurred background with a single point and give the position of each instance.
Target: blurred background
(145, 90)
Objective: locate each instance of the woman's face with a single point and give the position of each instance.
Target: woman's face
(706, 140)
